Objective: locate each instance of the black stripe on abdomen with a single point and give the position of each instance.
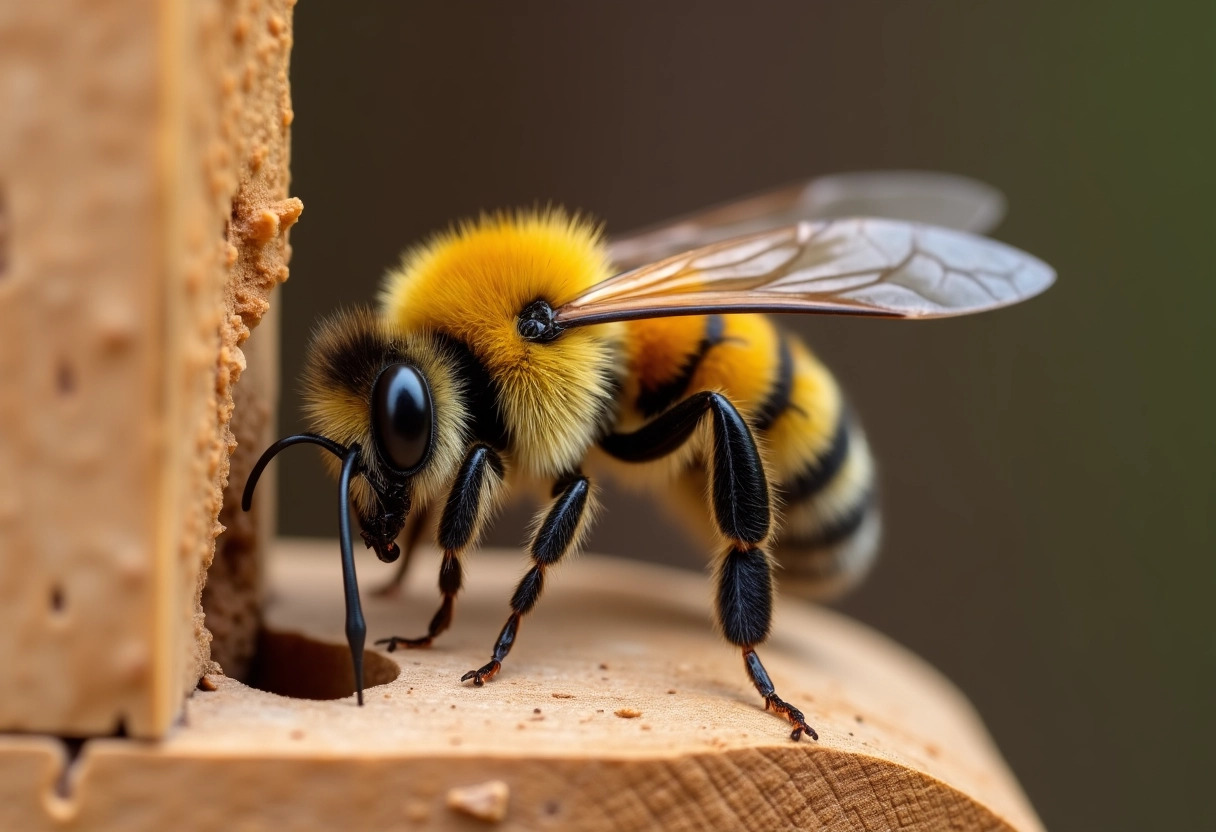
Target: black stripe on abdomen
(836, 530)
(653, 401)
(820, 471)
(778, 399)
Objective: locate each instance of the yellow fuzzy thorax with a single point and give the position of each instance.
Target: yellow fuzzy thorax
(472, 282)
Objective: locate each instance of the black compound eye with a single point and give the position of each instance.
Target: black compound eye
(402, 418)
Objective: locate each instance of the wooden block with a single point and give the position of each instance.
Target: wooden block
(143, 202)
(619, 708)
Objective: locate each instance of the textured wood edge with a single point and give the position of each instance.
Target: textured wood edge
(144, 165)
(900, 748)
(118, 786)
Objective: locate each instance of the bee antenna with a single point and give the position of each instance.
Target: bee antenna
(286, 442)
(356, 627)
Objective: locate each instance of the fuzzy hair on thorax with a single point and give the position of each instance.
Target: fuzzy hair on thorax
(471, 283)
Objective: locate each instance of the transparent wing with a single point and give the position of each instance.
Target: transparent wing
(942, 199)
(864, 266)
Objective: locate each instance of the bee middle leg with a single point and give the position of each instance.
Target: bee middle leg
(559, 533)
(742, 509)
(468, 505)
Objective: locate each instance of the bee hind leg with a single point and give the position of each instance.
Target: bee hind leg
(559, 533)
(468, 504)
(742, 509)
(772, 702)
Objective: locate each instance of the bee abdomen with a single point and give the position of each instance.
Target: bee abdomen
(824, 478)
(653, 400)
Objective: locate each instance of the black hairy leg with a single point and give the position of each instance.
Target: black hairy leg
(415, 527)
(745, 611)
(739, 490)
(463, 515)
(742, 509)
(558, 533)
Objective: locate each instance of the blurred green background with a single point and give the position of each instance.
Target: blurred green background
(1047, 469)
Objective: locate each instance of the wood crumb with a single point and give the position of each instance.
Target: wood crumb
(264, 226)
(562, 695)
(627, 713)
(484, 801)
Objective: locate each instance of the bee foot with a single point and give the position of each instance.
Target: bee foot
(483, 675)
(393, 642)
(774, 703)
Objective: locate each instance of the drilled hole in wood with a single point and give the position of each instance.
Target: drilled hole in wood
(294, 665)
(65, 379)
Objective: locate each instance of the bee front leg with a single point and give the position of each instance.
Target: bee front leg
(559, 533)
(742, 509)
(469, 504)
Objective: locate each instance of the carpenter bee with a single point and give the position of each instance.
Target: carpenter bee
(524, 347)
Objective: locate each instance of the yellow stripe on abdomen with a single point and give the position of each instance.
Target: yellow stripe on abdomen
(823, 475)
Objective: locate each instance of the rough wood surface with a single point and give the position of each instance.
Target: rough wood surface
(619, 708)
(143, 212)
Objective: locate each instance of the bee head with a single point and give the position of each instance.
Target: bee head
(394, 402)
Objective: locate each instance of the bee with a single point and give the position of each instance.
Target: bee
(523, 348)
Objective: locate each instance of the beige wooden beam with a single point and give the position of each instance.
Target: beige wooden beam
(143, 185)
(619, 708)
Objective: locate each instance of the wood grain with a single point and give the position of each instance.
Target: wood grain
(900, 748)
